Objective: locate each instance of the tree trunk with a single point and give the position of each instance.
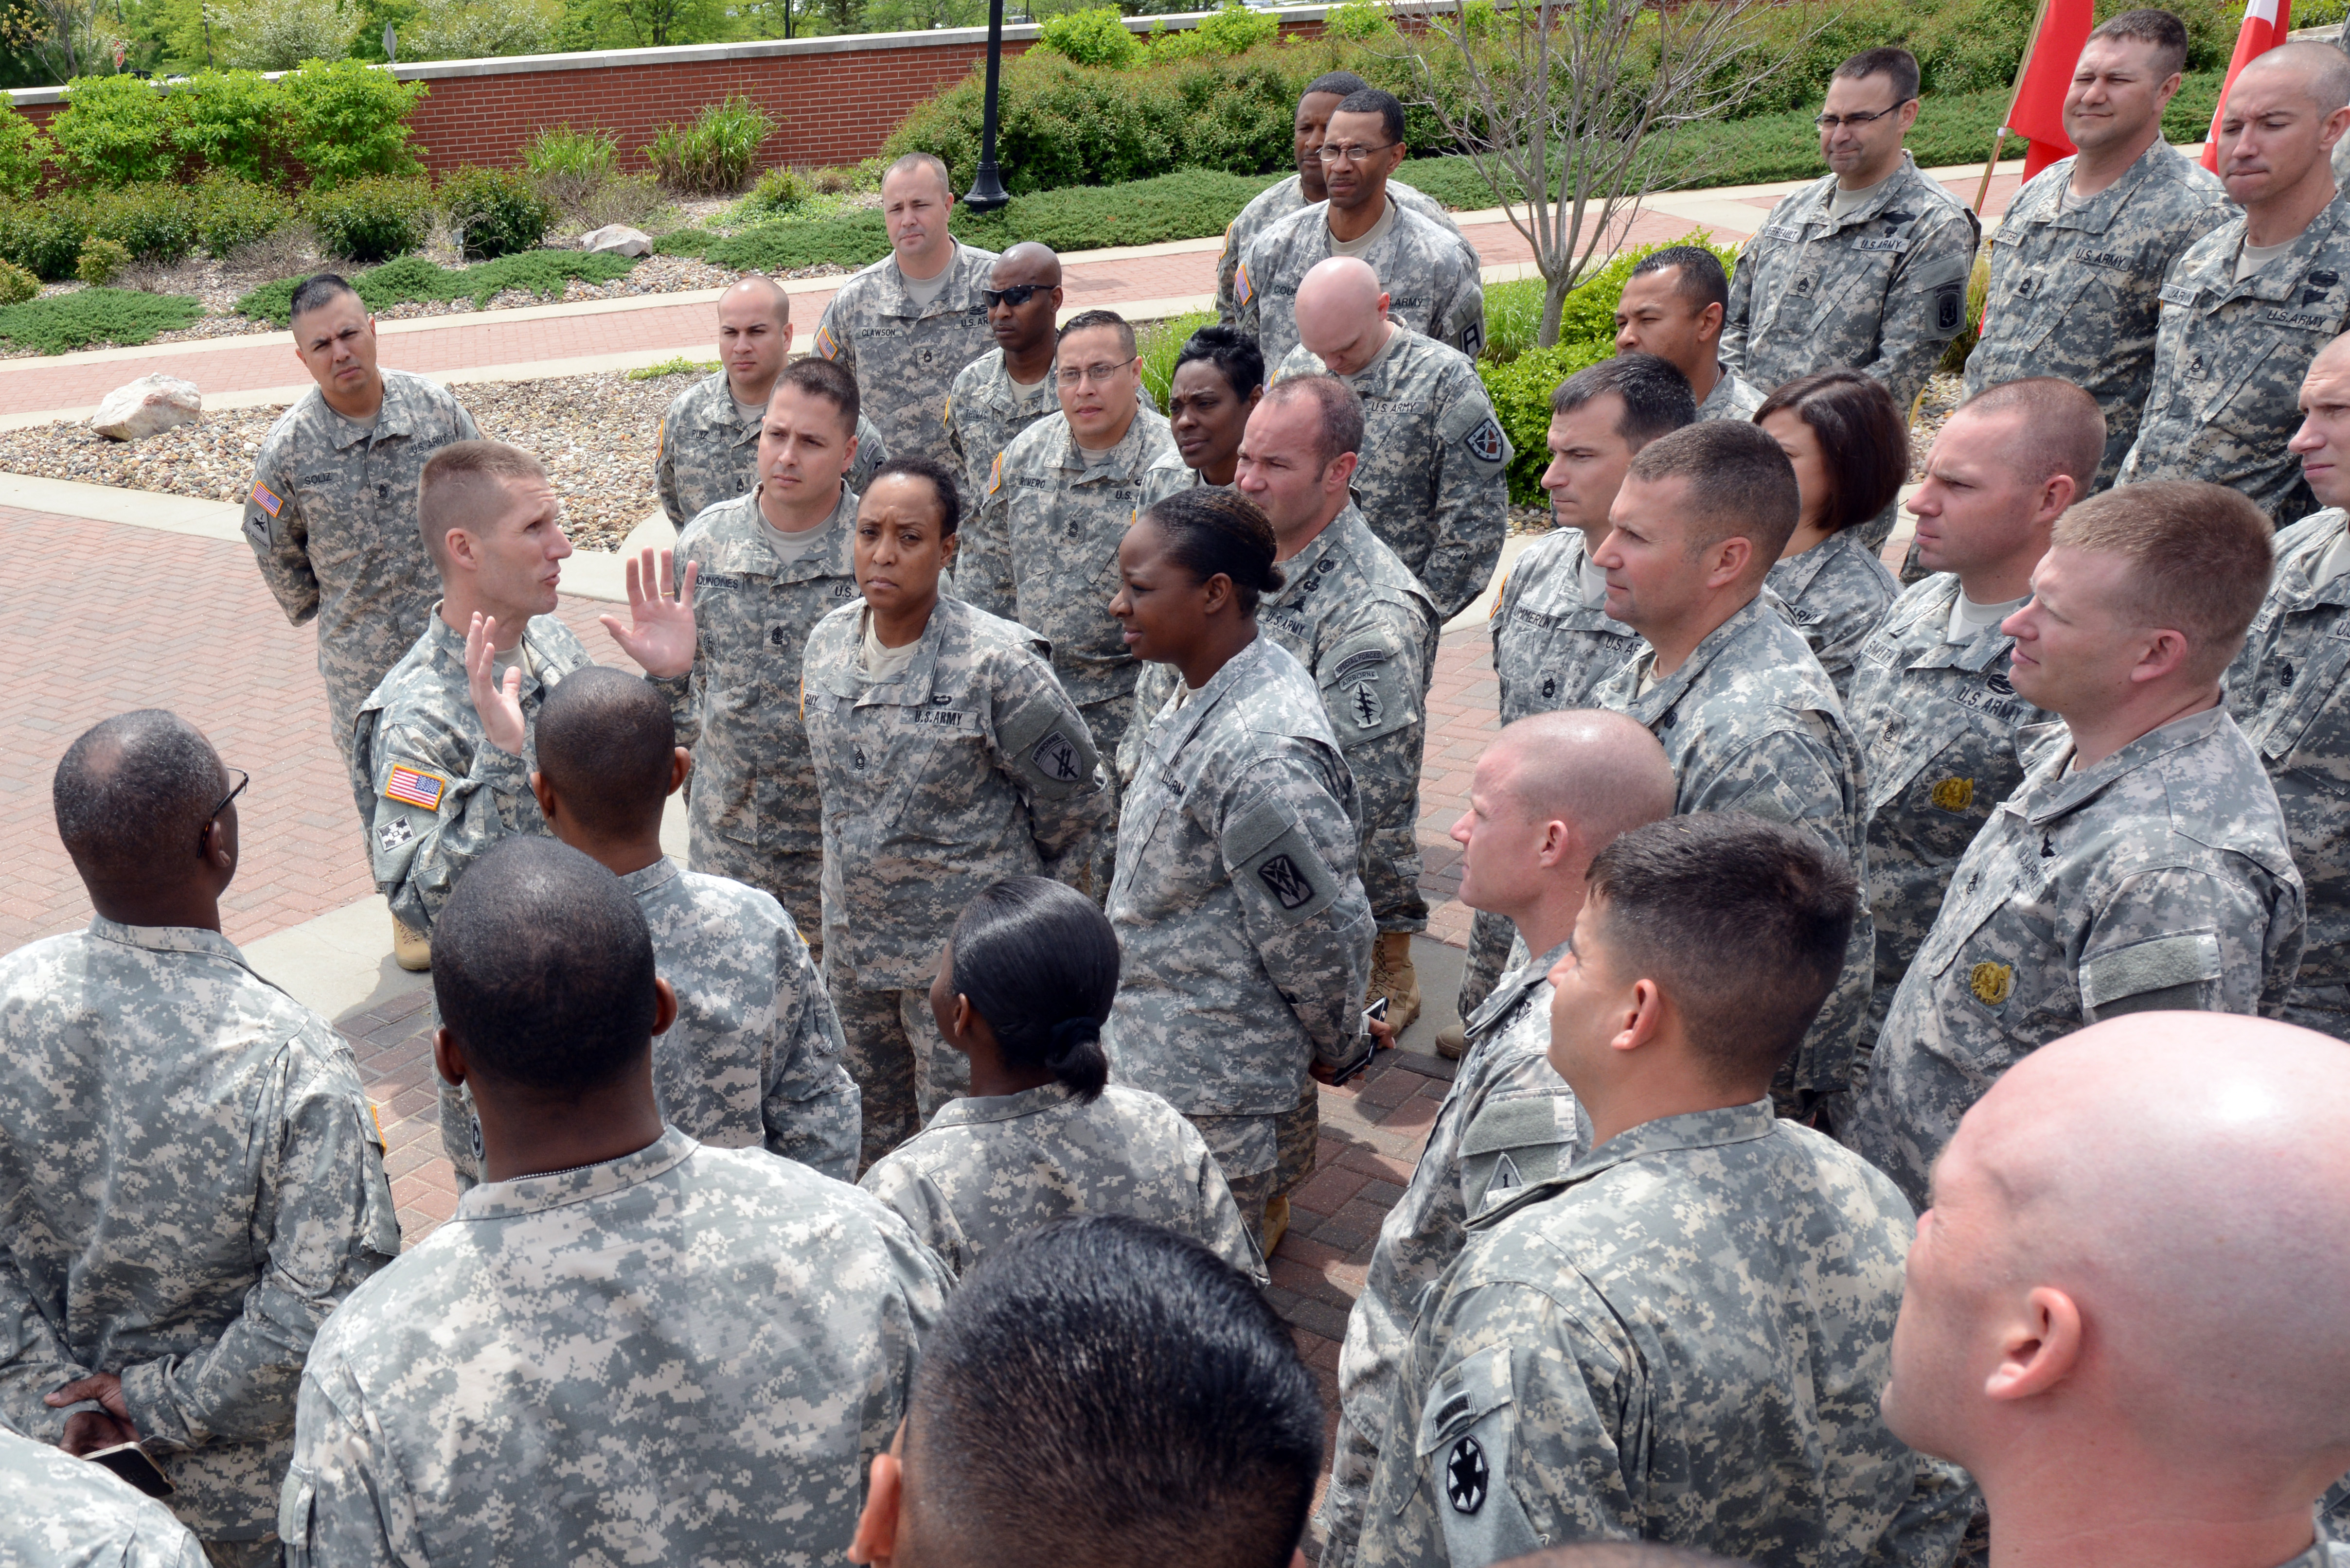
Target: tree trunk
(1554, 308)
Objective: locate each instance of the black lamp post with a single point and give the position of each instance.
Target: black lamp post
(987, 193)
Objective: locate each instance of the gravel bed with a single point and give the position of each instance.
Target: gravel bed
(595, 433)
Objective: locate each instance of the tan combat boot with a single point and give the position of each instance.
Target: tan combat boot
(411, 950)
(1451, 1042)
(1393, 977)
(1276, 1224)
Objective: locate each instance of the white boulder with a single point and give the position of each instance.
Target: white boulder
(147, 405)
(620, 238)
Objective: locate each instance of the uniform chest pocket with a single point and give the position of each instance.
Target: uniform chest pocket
(744, 639)
(2010, 976)
(2313, 708)
(1468, 1450)
(938, 755)
(2251, 396)
(2059, 291)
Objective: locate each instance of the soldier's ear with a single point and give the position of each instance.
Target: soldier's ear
(681, 763)
(875, 1541)
(449, 1058)
(664, 1005)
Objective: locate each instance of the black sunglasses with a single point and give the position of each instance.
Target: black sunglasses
(243, 779)
(1018, 295)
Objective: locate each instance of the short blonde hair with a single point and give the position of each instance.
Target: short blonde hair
(464, 486)
(2199, 556)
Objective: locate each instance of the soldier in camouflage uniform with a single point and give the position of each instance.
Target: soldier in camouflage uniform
(2079, 257)
(1866, 266)
(1315, 105)
(1043, 1135)
(61, 1512)
(1673, 307)
(947, 757)
(1431, 271)
(1682, 1337)
(193, 1177)
(624, 1345)
(1044, 549)
(1553, 640)
(2154, 873)
(1746, 714)
(1363, 627)
(2289, 690)
(1931, 694)
(765, 569)
(905, 326)
(708, 448)
(754, 1057)
(2240, 322)
(1009, 387)
(331, 515)
(1247, 936)
(1548, 795)
(1434, 482)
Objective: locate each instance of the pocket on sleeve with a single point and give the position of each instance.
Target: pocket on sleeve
(1466, 1444)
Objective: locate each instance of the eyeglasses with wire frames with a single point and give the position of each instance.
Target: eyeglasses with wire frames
(1353, 152)
(1018, 295)
(243, 779)
(1830, 121)
(1098, 374)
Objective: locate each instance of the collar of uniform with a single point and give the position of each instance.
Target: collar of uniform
(2053, 788)
(1930, 610)
(2096, 214)
(1904, 180)
(1506, 991)
(1804, 567)
(714, 408)
(1193, 713)
(1726, 383)
(950, 297)
(2281, 278)
(970, 1111)
(836, 559)
(395, 417)
(1670, 688)
(1385, 364)
(449, 647)
(913, 688)
(536, 1194)
(1125, 457)
(2290, 589)
(646, 879)
(1324, 552)
(1667, 1135)
(167, 939)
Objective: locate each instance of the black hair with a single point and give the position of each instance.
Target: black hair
(820, 377)
(1657, 396)
(543, 970)
(606, 741)
(1234, 353)
(1084, 320)
(932, 474)
(1371, 101)
(1898, 66)
(1744, 922)
(1701, 279)
(1346, 84)
(318, 289)
(133, 796)
(1211, 530)
(1039, 961)
(1103, 1390)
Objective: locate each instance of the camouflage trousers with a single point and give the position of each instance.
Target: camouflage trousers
(2325, 1007)
(266, 1553)
(796, 878)
(1108, 723)
(1264, 1157)
(904, 1069)
(1490, 938)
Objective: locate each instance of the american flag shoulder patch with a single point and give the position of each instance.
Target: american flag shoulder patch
(824, 344)
(414, 786)
(263, 498)
(1242, 290)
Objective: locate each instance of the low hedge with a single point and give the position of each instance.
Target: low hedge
(413, 279)
(152, 220)
(64, 322)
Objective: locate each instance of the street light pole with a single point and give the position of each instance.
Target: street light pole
(987, 193)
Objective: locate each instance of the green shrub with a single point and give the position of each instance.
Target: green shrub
(114, 130)
(1159, 342)
(64, 322)
(694, 242)
(100, 261)
(16, 284)
(23, 151)
(348, 120)
(495, 213)
(569, 166)
(152, 221)
(779, 191)
(413, 279)
(372, 219)
(45, 236)
(232, 213)
(1358, 20)
(231, 122)
(1232, 30)
(1096, 37)
(714, 154)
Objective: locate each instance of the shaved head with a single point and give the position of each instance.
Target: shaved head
(1027, 261)
(2323, 71)
(765, 290)
(1337, 298)
(1603, 772)
(2134, 1256)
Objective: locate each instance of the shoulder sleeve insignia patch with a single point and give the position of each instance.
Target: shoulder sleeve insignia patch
(1242, 290)
(263, 498)
(414, 786)
(1285, 882)
(995, 475)
(1055, 756)
(1949, 308)
(1485, 443)
(824, 343)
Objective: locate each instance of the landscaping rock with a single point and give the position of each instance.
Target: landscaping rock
(618, 237)
(147, 405)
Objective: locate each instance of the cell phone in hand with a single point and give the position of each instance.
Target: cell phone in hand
(1377, 1012)
(130, 1461)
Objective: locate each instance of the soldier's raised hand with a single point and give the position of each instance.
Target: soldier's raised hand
(500, 707)
(659, 633)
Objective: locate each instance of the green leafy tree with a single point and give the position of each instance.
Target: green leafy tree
(349, 120)
(114, 130)
(231, 121)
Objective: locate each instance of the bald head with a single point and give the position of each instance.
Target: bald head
(2320, 71)
(1342, 313)
(763, 295)
(1027, 261)
(1603, 772)
(2163, 1194)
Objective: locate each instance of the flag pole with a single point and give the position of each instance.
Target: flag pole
(1999, 137)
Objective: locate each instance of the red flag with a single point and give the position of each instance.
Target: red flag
(2037, 113)
(2266, 22)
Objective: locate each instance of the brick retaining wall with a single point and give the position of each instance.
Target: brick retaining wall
(837, 99)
